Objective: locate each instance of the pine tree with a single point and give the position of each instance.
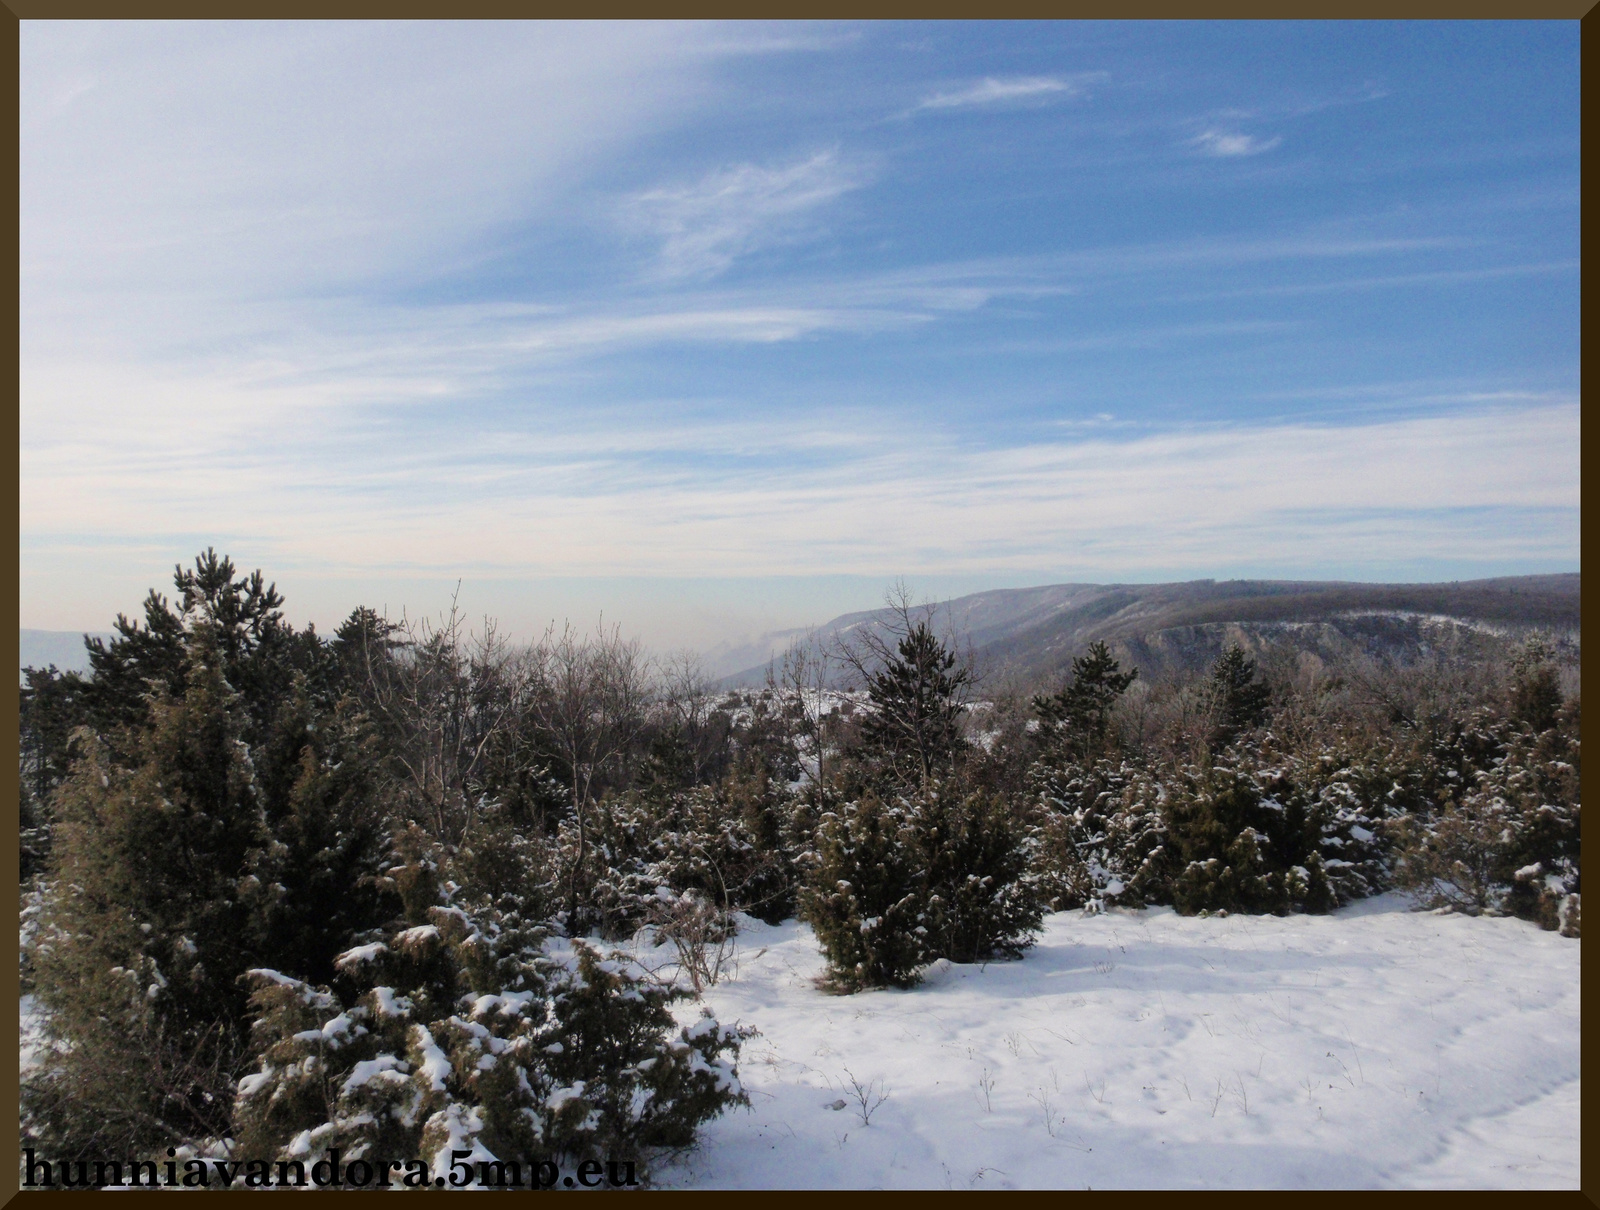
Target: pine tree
(147, 925)
(51, 709)
(257, 651)
(917, 698)
(139, 661)
(220, 812)
(1237, 700)
(1078, 717)
(325, 805)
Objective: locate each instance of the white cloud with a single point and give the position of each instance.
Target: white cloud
(340, 356)
(993, 90)
(838, 492)
(242, 158)
(731, 212)
(767, 38)
(1228, 144)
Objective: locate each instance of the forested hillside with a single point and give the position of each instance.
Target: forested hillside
(1024, 634)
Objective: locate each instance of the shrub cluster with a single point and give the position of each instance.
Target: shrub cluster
(1335, 790)
(302, 894)
(462, 1033)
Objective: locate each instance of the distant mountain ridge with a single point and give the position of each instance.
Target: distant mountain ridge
(1034, 632)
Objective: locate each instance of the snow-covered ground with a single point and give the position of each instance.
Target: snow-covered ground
(1374, 1048)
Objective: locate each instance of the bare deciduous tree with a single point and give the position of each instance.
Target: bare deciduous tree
(686, 706)
(444, 698)
(590, 699)
(802, 677)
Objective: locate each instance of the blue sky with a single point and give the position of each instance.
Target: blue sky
(722, 327)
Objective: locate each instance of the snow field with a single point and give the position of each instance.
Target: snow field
(1374, 1048)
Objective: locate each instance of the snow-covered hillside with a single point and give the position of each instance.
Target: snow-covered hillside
(1374, 1048)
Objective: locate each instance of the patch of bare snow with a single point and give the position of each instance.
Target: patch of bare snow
(1373, 1048)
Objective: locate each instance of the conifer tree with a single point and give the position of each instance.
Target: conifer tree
(1509, 839)
(1535, 687)
(258, 652)
(138, 661)
(325, 806)
(148, 922)
(917, 697)
(896, 886)
(1244, 840)
(455, 1031)
(1237, 700)
(51, 710)
(1102, 839)
(982, 901)
(1078, 717)
(866, 901)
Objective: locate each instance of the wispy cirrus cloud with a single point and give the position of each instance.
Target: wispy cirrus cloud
(1303, 106)
(1001, 90)
(1227, 144)
(706, 225)
(419, 351)
(846, 492)
(1221, 136)
(169, 156)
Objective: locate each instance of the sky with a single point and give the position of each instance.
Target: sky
(710, 329)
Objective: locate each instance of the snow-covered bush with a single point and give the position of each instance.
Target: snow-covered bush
(1352, 802)
(464, 1034)
(983, 899)
(725, 843)
(509, 864)
(865, 904)
(896, 886)
(1497, 829)
(601, 876)
(1508, 842)
(1244, 840)
(1101, 839)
